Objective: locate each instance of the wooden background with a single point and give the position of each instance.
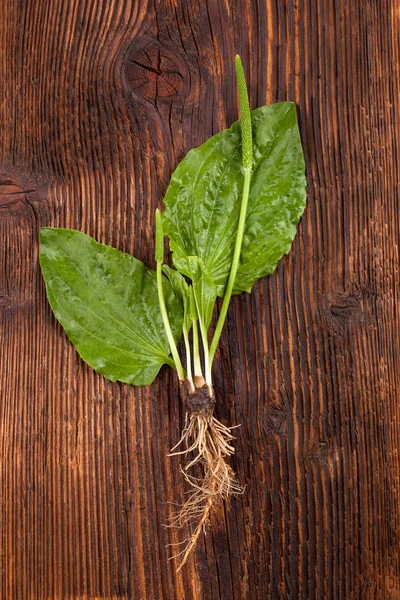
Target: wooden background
(99, 100)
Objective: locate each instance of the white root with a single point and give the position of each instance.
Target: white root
(209, 440)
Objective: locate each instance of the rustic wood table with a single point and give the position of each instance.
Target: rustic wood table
(99, 101)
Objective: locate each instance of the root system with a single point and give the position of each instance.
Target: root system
(205, 442)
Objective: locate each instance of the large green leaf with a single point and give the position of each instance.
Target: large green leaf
(203, 199)
(107, 303)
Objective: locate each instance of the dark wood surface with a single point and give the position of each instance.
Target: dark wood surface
(99, 100)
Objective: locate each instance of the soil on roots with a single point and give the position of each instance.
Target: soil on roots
(209, 443)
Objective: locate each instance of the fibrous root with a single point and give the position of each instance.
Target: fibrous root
(208, 442)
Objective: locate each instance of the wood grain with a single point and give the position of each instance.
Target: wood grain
(100, 99)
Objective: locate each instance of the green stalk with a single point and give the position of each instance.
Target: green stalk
(247, 160)
(196, 354)
(207, 363)
(196, 315)
(159, 255)
(189, 375)
(193, 316)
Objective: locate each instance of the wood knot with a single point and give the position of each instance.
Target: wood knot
(12, 195)
(19, 190)
(276, 418)
(153, 72)
(4, 300)
(276, 412)
(320, 452)
(344, 309)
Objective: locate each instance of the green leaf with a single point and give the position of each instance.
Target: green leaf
(203, 199)
(204, 290)
(181, 290)
(107, 303)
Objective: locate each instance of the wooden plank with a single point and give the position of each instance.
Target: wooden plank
(99, 101)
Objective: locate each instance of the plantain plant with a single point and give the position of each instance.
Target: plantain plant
(230, 213)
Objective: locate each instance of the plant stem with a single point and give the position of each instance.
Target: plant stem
(196, 356)
(189, 375)
(207, 364)
(159, 256)
(196, 309)
(247, 159)
(168, 330)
